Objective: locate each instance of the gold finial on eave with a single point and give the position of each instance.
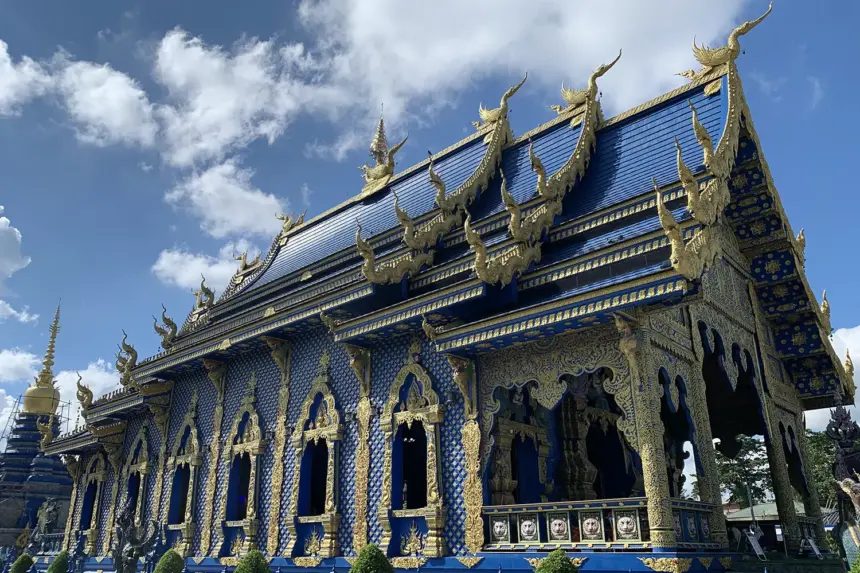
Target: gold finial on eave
(849, 364)
(46, 376)
(712, 58)
(800, 239)
(825, 304)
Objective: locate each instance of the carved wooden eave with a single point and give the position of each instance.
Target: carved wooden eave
(530, 230)
(392, 269)
(425, 232)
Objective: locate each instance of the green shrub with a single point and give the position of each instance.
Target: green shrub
(371, 560)
(22, 564)
(557, 562)
(60, 564)
(856, 567)
(253, 562)
(170, 562)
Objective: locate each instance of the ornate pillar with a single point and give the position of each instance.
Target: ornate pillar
(114, 452)
(73, 466)
(161, 418)
(782, 489)
(646, 398)
(359, 361)
(217, 372)
(709, 483)
(463, 371)
(282, 355)
(811, 502)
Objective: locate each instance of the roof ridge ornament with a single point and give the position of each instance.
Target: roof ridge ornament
(495, 115)
(378, 174)
(45, 379)
(575, 98)
(800, 240)
(126, 360)
(84, 395)
(379, 145)
(713, 58)
(825, 313)
(691, 258)
(167, 331)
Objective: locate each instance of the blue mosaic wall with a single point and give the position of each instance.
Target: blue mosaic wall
(388, 357)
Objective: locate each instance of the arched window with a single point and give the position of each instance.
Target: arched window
(183, 465)
(93, 480)
(313, 509)
(411, 492)
(134, 476)
(239, 511)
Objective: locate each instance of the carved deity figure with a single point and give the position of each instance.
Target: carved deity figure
(131, 542)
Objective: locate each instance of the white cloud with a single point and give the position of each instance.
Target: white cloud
(19, 83)
(23, 315)
(843, 339)
(817, 91)
(226, 202)
(17, 365)
(106, 106)
(11, 259)
(182, 268)
(770, 87)
(99, 376)
(220, 101)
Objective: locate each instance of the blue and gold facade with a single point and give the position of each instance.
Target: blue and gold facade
(520, 329)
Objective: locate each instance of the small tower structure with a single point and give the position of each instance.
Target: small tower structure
(27, 476)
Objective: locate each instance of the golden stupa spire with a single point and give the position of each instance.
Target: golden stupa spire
(42, 398)
(45, 379)
(379, 145)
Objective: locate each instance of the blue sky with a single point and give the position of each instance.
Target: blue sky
(144, 143)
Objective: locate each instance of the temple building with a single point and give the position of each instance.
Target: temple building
(497, 352)
(28, 478)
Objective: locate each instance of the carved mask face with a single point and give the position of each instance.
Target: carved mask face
(528, 528)
(591, 527)
(626, 525)
(558, 528)
(500, 529)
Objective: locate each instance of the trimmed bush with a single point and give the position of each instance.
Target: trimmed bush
(22, 564)
(371, 560)
(253, 562)
(557, 562)
(170, 562)
(60, 564)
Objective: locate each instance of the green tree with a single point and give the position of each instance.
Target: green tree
(60, 564)
(22, 564)
(170, 562)
(749, 470)
(371, 560)
(820, 457)
(556, 562)
(253, 562)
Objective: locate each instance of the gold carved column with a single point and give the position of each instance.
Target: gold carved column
(114, 452)
(636, 347)
(161, 419)
(282, 355)
(217, 372)
(73, 466)
(463, 371)
(359, 361)
(782, 489)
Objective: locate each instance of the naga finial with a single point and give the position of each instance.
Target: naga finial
(711, 58)
(84, 395)
(801, 242)
(494, 115)
(436, 182)
(401, 215)
(126, 360)
(167, 332)
(825, 305)
(208, 294)
(574, 98)
(429, 331)
(380, 171)
(539, 170)
(703, 138)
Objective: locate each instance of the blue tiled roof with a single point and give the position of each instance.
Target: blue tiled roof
(628, 154)
(376, 213)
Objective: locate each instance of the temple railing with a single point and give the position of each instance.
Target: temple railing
(596, 524)
(50, 543)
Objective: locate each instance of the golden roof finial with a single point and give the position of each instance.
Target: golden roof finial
(849, 364)
(46, 376)
(379, 145)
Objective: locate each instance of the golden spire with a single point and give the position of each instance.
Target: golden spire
(379, 145)
(46, 376)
